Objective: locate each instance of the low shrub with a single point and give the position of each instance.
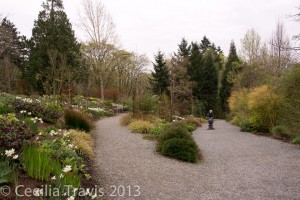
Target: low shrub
(179, 124)
(148, 104)
(126, 119)
(6, 101)
(296, 140)
(191, 127)
(280, 132)
(176, 142)
(156, 130)
(181, 149)
(77, 120)
(83, 141)
(172, 131)
(13, 133)
(246, 126)
(140, 126)
(36, 109)
(4, 109)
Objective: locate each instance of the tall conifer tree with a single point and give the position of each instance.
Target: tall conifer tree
(227, 81)
(52, 32)
(160, 80)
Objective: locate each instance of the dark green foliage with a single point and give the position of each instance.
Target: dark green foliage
(59, 150)
(13, 56)
(5, 172)
(176, 142)
(148, 104)
(184, 49)
(289, 88)
(77, 120)
(280, 132)
(296, 140)
(205, 44)
(12, 43)
(246, 126)
(203, 70)
(52, 32)
(209, 86)
(160, 81)
(228, 75)
(37, 110)
(181, 149)
(6, 101)
(13, 133)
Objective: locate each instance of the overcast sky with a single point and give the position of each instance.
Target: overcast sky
(146, 26)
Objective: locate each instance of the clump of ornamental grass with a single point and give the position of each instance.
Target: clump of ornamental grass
(77, 120)
(83, 141)
(140, 126)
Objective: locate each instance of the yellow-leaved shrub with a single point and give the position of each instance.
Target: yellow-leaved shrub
(264, 106)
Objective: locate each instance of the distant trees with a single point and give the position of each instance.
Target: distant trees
(13, 55)
(194, 72)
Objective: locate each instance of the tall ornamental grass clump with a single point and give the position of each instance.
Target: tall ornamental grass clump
(77, 120)
(83, 141)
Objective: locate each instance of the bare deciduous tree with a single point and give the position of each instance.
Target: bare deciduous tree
(280, 49)
(101, 42)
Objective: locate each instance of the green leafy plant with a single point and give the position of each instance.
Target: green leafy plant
(280, 132)
(13, 132)
(5, 172)
(246, 126)
(36, 109)
(37, 164)
(32, 124)
(61, 150)
(296, 140)
(77, 120)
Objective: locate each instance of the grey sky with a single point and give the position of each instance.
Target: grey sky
(148, 25)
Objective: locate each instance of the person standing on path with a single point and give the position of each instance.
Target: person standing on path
(210, 116)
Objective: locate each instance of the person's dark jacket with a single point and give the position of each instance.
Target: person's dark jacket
(210, 115)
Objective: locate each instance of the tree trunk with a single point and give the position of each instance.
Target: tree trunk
(102, 89)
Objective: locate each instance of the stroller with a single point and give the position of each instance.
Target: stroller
(210, 124)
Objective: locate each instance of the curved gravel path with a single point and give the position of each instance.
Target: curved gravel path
(236, 165)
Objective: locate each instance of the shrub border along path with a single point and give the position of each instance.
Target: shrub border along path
(236, 166)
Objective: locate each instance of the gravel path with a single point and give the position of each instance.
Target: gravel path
(236, 165)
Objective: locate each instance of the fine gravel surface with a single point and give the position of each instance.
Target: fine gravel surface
(236, 165)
